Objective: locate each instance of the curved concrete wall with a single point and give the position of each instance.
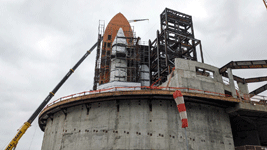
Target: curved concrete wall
(138, 124)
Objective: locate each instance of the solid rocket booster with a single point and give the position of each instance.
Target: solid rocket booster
(118, 70)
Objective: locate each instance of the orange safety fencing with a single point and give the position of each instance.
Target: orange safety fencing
(184, 89)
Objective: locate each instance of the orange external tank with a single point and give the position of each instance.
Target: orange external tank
(118, 21)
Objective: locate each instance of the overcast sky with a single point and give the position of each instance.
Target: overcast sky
(41, 41)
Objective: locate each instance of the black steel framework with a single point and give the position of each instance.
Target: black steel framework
(258, 90)
(257, 79)
(144, 60)
(175, 40)
(249, 64)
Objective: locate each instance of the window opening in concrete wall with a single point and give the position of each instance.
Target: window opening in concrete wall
(236, 86)
(228, 93)
(204, 72)
(225, 80)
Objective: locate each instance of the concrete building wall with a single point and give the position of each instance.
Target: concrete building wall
(138, 124)
(186, 75)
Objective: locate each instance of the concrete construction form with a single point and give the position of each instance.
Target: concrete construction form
(131, 105)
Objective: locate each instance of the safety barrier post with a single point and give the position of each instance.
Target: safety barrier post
(179, 99)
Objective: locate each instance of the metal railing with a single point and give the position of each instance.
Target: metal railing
(245, 97)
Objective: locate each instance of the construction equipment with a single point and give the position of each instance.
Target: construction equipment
(136, 20)
(26, 125)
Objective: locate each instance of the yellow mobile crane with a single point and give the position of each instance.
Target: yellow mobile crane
(12, 145)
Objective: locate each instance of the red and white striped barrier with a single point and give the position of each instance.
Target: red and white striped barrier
(179, 99)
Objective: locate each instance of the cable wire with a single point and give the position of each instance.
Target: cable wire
(32, 137)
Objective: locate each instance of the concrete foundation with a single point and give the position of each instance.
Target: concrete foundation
(137, 124)
(128, 117)
(248, 121)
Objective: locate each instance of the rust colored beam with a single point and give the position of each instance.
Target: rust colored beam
(254, 64)
(236, 78)
(259, 90)
(257, 79)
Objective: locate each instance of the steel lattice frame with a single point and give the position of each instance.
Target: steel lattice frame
(176, 40)
(101, 28)
(137, 55)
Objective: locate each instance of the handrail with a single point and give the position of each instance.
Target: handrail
(184, 89)
(134, 88)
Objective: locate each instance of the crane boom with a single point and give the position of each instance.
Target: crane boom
(27, 124)
(130, 21)
(265, 3)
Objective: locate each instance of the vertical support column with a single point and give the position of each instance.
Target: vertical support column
(166, 52)
(180, 52)
(97, 67)
(243, 87)
(231, 81)
(166, 33)
(158, 61)
(194, 50)
(201, 53)
(161, 21)
(149, 63)
(192, 29)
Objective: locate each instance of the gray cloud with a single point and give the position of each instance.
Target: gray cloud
(41, 41)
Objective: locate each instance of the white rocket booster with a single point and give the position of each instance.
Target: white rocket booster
(118, 70)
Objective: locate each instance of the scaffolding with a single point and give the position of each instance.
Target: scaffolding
(101, 28)
(136, 56)
(176, 40)
(103, 56)
(130, 57)
(144, 68)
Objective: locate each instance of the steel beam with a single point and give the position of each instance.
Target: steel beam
(259, 90)
(236, 78)
(257, 79)
(254, 64)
